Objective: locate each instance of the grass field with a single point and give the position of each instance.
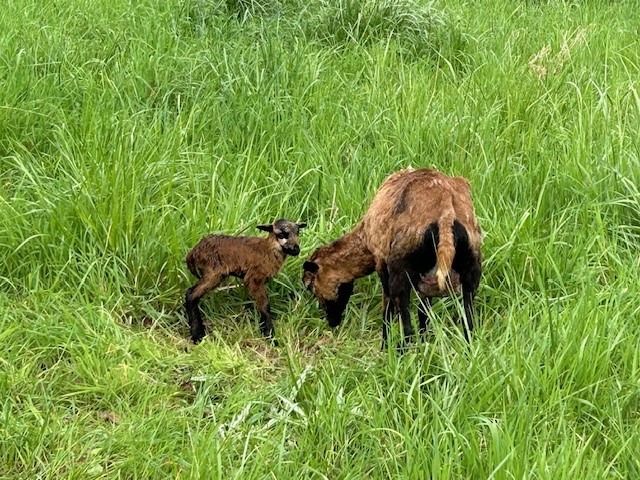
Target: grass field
(128, 130)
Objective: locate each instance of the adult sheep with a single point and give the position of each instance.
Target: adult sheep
(419, 233)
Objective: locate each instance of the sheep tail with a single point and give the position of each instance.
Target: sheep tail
(446, 249)
(191, 265)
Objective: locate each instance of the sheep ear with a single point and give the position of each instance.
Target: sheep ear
(265, 228)
(301, 225)
(310, 267)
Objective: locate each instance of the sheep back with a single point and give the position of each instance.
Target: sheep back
(408, 202)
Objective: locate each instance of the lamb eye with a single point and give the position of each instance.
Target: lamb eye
(283, 235)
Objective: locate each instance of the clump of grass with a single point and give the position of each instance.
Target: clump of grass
(243, 9)
(420, 29)
(199, 16)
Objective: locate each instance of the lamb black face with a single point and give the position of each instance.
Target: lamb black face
(286, 234)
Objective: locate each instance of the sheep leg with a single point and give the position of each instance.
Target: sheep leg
(467, 320)
(194, 316)
(387, 305)
(192, 301)
(470, 282)
(400, 289)
(402, 306)
(424, 309)
(258, 292)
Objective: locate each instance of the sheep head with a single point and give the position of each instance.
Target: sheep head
(331, 291)
(284, 234)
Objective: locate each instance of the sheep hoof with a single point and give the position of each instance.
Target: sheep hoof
(196, 338)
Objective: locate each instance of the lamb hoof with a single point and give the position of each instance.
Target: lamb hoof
(196, 338)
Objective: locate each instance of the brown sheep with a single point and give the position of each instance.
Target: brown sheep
(420, 231)
(254, 259)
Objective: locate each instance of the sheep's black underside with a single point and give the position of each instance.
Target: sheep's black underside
(403, 276)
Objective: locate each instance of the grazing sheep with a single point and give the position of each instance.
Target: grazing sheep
(254, 259)
(420, 221)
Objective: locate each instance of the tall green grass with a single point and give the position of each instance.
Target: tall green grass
(130, 130)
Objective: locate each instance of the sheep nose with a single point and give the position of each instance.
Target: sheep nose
(295, 250)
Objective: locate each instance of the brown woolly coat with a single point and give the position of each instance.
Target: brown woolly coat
(406, 203)
(252, 257)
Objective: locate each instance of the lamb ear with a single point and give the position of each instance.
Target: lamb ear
(301, 225)
(265, 228)
(310, 267)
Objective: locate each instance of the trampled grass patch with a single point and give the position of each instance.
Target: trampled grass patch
(129, 131)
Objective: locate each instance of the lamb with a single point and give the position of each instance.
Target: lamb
(254, 259)
(420, 232)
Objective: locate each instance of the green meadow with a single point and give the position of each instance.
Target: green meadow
(130, 129)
